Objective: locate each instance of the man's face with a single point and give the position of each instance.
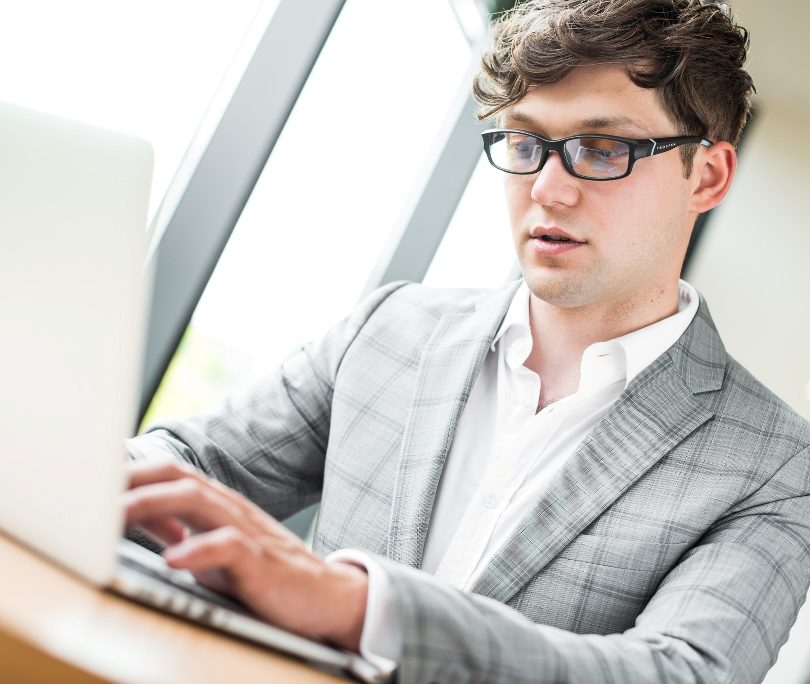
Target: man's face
(634, 231)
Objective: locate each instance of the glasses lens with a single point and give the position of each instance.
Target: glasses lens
(595, 157)
(515, 152)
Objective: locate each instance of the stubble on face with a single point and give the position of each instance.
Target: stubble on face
(635, 229)
(631, 276)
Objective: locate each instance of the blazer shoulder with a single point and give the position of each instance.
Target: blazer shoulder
(441, 300)
(746, 402)
(400, 318)
(410, 302)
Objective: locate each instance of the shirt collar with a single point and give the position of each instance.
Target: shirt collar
(515, 335)
(610, 361)
(645, 345)
(516, 315)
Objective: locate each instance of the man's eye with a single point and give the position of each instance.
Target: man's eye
(601, 153)
(525, 148)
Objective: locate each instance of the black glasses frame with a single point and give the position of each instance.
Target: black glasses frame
(639, 148)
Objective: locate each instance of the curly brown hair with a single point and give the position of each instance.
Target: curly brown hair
(691, 52)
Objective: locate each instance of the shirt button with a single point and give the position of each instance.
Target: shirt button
(489, 501)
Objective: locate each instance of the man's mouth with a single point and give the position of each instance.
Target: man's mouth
(551, 241)
(555, 238)
(552, 234)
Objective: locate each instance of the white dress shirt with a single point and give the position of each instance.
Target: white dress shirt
(505, 453)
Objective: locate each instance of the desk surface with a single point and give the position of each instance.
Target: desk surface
(56, 627)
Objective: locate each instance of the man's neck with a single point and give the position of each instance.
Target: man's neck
(561, 335)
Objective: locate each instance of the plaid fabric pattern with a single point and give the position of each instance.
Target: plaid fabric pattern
(673, 546)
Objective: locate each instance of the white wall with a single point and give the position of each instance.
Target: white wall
(753, 266)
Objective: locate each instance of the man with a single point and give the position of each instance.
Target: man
(568, 480)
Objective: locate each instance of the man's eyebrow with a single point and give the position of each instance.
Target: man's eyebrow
(619, 121)
(584, 125)
(518, 117)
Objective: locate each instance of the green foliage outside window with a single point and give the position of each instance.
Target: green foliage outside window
(200, 375)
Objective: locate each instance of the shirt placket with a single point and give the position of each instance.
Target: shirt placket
(518, 388)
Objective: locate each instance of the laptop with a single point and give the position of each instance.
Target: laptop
(73, 294)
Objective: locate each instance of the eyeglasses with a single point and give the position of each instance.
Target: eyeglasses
(592, 157)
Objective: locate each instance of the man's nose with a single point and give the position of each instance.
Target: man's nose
(554, 185)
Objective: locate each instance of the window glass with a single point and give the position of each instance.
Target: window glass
(330, 194)
(147, 68)
(476, 250)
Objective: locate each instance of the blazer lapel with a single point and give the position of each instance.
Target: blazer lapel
(657, 411)
(449, 365)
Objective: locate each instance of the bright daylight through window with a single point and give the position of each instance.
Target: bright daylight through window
(149, 69)
(327, 200)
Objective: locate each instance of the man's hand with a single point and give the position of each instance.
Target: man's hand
(234, 547)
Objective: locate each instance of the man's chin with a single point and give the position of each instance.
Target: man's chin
(559, 290)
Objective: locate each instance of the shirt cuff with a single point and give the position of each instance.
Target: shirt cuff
(381, 638)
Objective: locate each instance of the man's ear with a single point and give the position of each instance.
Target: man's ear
(712, 172)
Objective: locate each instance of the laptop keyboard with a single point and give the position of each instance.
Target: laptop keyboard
(133, 557)
(144, 576)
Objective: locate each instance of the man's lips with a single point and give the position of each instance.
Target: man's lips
(552, 241)
(553, 234)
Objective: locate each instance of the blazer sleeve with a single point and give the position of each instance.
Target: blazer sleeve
(720, 615)
(269, 440)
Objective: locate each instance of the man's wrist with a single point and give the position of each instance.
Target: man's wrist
(381, 637)
(348, 595)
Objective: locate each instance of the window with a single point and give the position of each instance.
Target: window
(327, 199)
(149, 69)
(477, 248)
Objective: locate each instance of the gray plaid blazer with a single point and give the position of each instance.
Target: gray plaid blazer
(674, 546)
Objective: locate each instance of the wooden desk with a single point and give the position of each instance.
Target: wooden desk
(56, 628)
